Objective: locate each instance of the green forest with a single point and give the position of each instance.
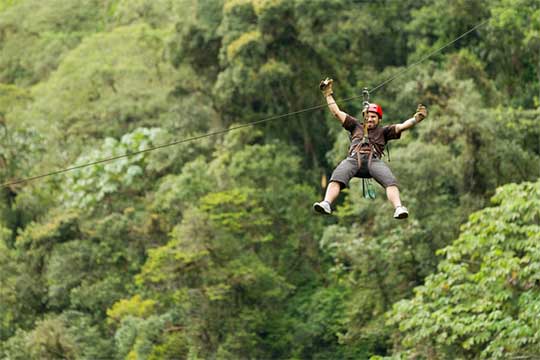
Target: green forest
(210, 248)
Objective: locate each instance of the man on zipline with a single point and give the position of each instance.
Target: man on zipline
(365, 153)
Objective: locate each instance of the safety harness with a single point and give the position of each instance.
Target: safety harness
(365, 148)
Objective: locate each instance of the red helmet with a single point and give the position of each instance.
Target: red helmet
(376, 108)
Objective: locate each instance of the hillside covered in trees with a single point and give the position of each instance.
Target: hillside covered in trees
(210, 249)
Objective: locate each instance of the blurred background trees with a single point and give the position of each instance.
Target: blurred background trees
(209, 249)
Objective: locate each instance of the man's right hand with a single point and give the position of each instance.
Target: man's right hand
(326, 87)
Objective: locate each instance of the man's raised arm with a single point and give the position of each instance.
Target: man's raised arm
(326, 88)
(421, 114)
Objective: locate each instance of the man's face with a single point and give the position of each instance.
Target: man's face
(372, 120)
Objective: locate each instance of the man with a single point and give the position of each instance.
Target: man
(365, 153)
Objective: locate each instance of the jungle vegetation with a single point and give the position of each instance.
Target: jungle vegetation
(210, 249)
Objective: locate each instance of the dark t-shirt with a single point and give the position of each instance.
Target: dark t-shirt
(378, 136)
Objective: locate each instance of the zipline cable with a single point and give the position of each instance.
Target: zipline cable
(429, 55)
(128, 154)
(253, 123)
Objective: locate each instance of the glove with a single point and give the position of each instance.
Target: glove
(421, 113)
(326, 87)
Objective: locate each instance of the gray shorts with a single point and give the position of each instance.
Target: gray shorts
(378, 170)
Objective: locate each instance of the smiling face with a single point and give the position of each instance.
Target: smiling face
(372, 120)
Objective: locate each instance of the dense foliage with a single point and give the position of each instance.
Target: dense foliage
(209, 249)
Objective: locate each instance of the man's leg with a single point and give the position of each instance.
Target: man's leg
(340, 178)
(332, 192)
(383, 175)
(392, 192)
(400, 212)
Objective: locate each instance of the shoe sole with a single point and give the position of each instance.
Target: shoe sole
(402, 216)
(318, 208)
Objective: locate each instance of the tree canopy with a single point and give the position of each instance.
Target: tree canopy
(209, 249)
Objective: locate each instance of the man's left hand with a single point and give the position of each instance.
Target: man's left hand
(421, 113)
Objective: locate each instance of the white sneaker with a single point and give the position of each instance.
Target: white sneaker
(323, 207)
(401, 212)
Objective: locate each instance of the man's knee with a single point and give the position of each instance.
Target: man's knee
(337, 184)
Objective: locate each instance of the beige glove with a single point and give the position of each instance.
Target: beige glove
(421, 113)
(326, 87)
